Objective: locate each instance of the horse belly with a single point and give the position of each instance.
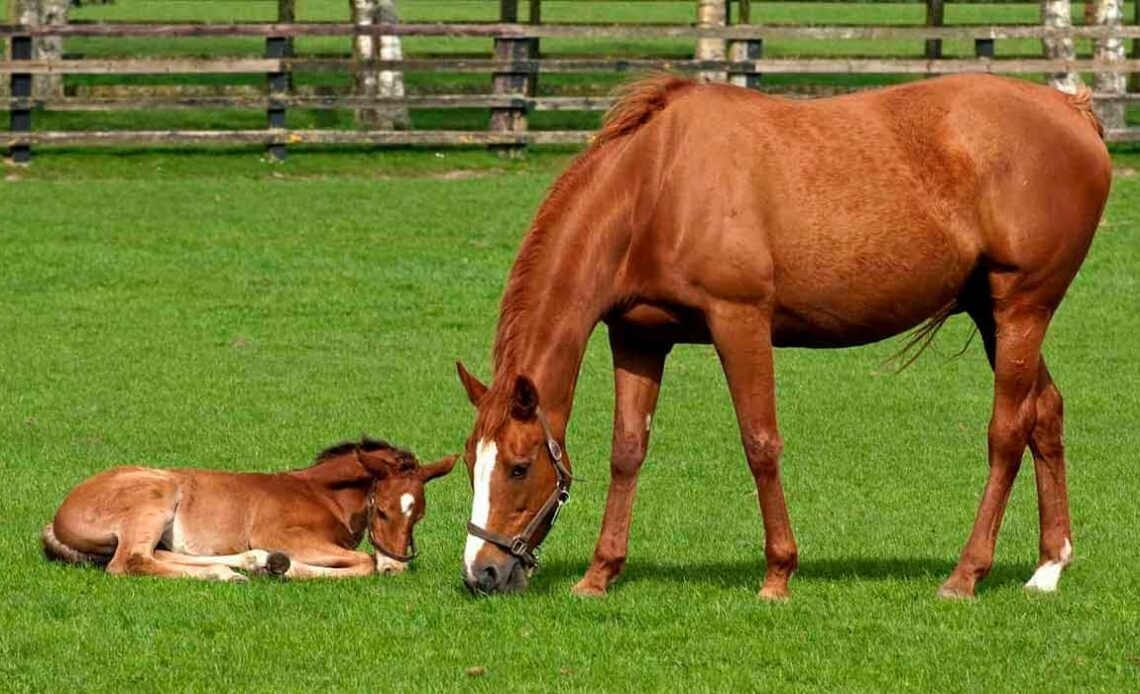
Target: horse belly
(876, 287)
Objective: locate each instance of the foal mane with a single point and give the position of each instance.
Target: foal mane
(365, 444)
(636, 105)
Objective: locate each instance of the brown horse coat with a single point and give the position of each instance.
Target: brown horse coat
(718, 214)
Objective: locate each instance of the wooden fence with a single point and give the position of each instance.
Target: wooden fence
(514, 69)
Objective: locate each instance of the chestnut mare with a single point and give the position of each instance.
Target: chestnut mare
(718, 214)
(203, 523)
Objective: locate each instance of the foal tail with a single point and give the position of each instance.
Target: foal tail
(55, 550)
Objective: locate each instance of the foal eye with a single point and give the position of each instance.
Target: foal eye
(519, 471)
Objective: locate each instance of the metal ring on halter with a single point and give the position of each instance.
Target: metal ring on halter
(521, 546)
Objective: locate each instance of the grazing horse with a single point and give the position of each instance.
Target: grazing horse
(710, 213)
(204, 523)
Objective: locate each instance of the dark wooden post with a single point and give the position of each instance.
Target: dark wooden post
(287, 14)
(512, 80)
(276, 47)
(1134, 78)
(984, 48)
(745, 51)
(20, 115)
(534, 19)
(934, 18)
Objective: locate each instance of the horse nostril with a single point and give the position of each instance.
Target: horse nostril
(488, 579)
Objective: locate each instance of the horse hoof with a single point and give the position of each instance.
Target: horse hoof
(952, 591)
(583, 589)
(775, 594)
(277, 564)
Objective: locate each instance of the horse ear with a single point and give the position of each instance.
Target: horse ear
(474, 387)
(437, 469)
(374, 464)
(524, 399)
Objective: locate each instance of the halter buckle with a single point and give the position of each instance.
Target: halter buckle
(519, 547)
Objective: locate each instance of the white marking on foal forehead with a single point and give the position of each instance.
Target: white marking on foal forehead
(406, 503)
(485, 454)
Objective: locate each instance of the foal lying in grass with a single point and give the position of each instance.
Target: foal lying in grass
(204, 524)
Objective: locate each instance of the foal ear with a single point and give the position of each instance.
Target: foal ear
(374, 464)
(474, 387)
(524, 399)
(437, 469)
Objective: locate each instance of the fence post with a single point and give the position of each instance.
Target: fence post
(745, 51)
(276, 47)
(934, 18)
(287, 14)
(20, 113)
(984, 48)
(1109, 14)
(512, 80)
(534, 19)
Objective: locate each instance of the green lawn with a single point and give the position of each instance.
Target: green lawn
(208, 310)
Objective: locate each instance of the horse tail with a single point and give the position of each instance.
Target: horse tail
(921, 337)
(56, 550)
(638, 103)
(1082, 102)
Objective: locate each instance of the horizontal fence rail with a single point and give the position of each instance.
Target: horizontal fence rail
(514, 70)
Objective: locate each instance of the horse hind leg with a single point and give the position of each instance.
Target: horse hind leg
(1047, 445)
(1013, 333)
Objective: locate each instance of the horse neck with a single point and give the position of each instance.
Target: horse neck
(562, 284)
(343, 480)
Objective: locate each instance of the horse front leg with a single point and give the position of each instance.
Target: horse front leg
(638, 367)
(742, 335)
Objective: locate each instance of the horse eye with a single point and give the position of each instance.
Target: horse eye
(519, 471)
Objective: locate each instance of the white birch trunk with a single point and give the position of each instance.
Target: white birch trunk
(711, 13)
(1059, 14)
(1110, 13)
(378, 83)
(39, 13)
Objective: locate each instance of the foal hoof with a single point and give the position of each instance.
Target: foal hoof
(588, 589)
(277, 564)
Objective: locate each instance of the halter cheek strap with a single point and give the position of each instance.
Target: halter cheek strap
(523, 546)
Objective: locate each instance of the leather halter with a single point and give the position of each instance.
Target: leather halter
(523, 546)
(402, 558)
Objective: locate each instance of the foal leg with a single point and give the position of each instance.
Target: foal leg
(135, 556)
(1019, 331)
(637, 382)
(329, 561)
(259, 560)
(742, 335)
(1056, 547)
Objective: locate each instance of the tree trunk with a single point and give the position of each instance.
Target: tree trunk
(711, 13)
(378, 83)
(1110, 13)
(39, 13)
(1059, 14)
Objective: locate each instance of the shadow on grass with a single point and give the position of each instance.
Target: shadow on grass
(748, 574)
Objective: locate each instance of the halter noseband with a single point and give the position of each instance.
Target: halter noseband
(402, 558)
(522, 546)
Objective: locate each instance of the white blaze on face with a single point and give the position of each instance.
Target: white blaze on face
(407, 501)
(1046, 577)
(485, 454)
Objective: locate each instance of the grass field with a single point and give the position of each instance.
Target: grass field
(208, 310)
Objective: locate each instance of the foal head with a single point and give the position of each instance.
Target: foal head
(520, 479)
(397, 500)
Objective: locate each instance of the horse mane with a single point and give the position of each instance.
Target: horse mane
(636, 105)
